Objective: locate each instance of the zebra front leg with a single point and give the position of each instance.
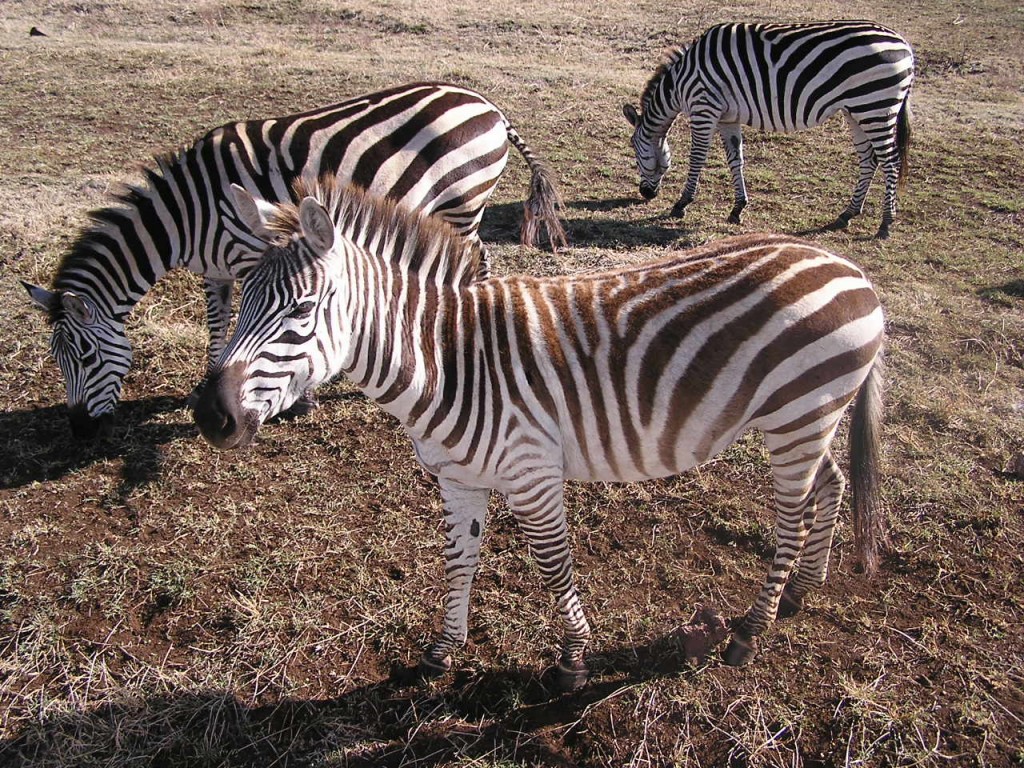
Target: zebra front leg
(813, 568)
(538, 510)
(465, 510)
(732, 139)
(701, 131)
(218, 317)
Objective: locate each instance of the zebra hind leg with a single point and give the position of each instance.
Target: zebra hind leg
(795, 502)
(867, 163)
(891, 169)
(813, 568)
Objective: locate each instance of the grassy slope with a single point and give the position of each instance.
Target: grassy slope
(162, 602)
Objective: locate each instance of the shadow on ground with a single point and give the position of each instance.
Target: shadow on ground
(501, 225)
(36, 445)
(399, 721)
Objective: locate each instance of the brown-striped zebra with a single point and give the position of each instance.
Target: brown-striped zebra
(517, 383)
(438, 148)
(780, 77)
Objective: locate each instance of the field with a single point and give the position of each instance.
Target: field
(164, 604)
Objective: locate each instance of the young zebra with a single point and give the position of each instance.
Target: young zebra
(518, 383)
(780, 77)
(438, 148)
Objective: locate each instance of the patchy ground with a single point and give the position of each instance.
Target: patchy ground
(164, 604)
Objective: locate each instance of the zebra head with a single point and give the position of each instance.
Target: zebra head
(653, 156)
(93, 353)
(283, 344)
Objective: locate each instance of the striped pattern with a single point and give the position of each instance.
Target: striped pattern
(780, 77)
(516, 384)
(434, 147)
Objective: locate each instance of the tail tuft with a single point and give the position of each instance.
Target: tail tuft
(543, 203)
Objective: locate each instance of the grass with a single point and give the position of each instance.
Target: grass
(163, 604)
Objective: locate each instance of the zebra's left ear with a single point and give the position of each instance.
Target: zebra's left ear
(254, 213)
(631, 114)
(317, 226)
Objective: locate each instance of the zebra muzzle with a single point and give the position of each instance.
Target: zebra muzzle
(649, 191)
(86, 427)
(219, 414)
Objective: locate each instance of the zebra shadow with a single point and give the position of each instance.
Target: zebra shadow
(36, 445)
(594, 227)
(470, 715)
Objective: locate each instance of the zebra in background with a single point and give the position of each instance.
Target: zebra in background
(435, 147)
(780, 77)
(518, 383)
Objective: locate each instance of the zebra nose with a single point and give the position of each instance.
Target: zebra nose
(213, 417)
(86, 427)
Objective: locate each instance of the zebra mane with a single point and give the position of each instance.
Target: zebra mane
(670, 58)
(386, 229)
(93, 238)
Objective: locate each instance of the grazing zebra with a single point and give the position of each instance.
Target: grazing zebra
(438, 148)
(780, 77)
(518, 383)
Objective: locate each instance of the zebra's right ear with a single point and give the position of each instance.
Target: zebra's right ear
(254, 213)
(45, 300)
(631, 114)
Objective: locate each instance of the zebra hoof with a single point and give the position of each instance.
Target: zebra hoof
(734, 218)
(883, 232)
(431, 668)
(678, 209)
(841, 223)
(740, 651)
(571, 677)
(790, 604)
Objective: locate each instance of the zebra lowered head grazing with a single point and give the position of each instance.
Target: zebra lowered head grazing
(517, 383)
(437, 148)
(780, 77)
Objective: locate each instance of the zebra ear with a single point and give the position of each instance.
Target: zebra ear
(631, 114)
(254, 213)
(42, 298)
(77, 307)
(317, 226)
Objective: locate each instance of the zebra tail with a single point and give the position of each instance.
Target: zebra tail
(542, 205)
(903, 141)
(869, 523)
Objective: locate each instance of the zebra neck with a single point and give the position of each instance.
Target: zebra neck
(174, 220)
(663, 98)
(395, 344)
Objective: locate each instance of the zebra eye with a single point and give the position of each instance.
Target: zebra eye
(302, 310)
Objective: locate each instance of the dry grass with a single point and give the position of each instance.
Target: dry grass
(163, 604)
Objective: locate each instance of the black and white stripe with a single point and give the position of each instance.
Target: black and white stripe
(780, 77)
(433, 147)
(518, 383)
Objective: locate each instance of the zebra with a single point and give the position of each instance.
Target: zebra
(435, 146)
(518, 383)
(780, 77)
